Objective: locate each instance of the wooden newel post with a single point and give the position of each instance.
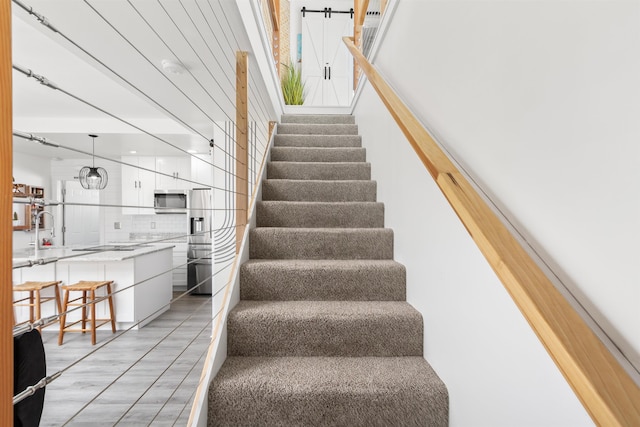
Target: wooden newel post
(242, 133)
(359, 13)
(6, 201)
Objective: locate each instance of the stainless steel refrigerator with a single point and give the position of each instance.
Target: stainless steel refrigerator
(200, 241)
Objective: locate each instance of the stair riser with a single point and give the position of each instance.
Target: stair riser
(313, 129)
(301, 283)
(320, 215)
(291, 243)
(252, 391)
(319, 191)
(319, 171)
(303, 154)
(377, 335)
(327, 141)
(318, 119)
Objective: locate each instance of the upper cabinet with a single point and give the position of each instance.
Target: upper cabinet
(146, 174)
(202, 170)
(174, 173)
(138, 184)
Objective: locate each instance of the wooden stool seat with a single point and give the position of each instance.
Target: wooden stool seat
(86, 287)
(36, 299)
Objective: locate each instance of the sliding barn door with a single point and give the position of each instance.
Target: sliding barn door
(327, 68)
(313, 58)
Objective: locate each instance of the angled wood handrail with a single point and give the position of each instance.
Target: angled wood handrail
(606, 391)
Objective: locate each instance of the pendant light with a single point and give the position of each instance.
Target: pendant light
(91, 177)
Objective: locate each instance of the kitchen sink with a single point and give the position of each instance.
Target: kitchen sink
(105, 248)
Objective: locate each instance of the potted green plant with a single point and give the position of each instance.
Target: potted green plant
(292, 85)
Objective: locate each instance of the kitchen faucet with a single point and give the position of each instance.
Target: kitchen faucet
(53, 229)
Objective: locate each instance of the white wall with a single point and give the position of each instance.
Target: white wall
(540, 102)
(496, 371)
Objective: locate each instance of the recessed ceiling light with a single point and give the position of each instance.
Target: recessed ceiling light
(192, 151)
(173, 66)
(132, 152)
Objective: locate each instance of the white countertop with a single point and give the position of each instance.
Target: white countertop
(70, 255)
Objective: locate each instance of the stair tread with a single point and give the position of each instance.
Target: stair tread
(319, 190)
(347, 264)
(319, 214)
(324, 328)
(296, 140)
(314, 391)
(321, 243)
(318, 118)
(356, 171)
(366, 374)
(322, 280)
(317, 129)
(318, 154)
(329, 310)
(306, 230)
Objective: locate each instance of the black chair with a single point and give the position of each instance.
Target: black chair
(29, 367)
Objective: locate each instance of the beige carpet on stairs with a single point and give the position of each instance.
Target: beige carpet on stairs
(323, 335)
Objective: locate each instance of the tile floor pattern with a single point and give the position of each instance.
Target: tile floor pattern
(139, 379)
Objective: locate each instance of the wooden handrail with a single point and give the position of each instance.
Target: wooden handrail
(274, 13)
(6, 232)
(606, 391)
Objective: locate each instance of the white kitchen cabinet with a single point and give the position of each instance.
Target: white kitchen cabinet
(138, 184)
(202, 170)
(142, 281)
(172, 173)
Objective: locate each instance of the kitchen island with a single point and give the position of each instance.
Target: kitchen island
(146, 266)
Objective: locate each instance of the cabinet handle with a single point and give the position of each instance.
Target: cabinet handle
(135, 184)
(325, 72)
(329, 73)
(139, 184)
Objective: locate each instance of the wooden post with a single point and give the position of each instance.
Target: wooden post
(272, 125)
(359, 13)
(242, 154)
(6, 232)
(274, 10)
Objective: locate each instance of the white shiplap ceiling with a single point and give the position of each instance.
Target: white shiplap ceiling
(131, 38)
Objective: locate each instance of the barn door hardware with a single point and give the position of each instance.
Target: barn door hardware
(327, 11)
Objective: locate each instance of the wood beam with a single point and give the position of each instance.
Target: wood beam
(359, 13)
(242, 139)
(6, 231)
(606, 391)
(274, 11)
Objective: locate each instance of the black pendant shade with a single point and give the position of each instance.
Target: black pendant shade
(91, 177)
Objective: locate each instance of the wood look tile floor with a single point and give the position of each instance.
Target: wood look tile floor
(143, 377)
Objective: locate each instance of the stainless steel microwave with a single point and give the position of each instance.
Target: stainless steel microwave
(170, 201)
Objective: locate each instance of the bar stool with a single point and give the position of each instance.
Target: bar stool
(36, 299)
(86, 287)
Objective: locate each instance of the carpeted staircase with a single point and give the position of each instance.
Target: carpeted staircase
(322, 335)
